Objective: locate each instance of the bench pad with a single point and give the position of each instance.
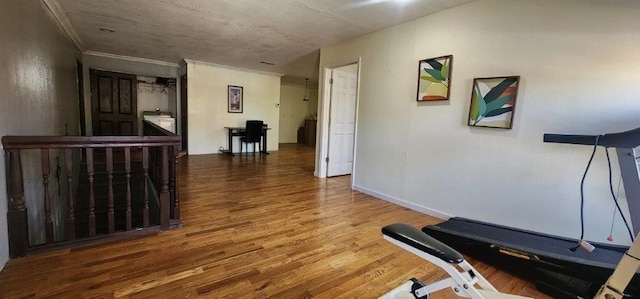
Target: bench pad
(417, 239)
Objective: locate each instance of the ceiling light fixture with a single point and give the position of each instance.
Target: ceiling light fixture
(306, 90)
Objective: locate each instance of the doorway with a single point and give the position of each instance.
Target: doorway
(339, 118)
(114, 103)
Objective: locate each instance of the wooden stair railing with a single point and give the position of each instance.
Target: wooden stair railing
(18, 224)
(151, 129)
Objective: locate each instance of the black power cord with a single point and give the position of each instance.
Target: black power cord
(615, 199)
(593, 153)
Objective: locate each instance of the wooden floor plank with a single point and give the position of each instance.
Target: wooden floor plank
(253, 227)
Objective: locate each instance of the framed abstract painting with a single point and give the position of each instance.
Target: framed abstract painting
(493, 101)
(434, 79)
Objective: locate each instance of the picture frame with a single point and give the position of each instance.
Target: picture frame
(434, 79)
(234, 99)
(493, 102)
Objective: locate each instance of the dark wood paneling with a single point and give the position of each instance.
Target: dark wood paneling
(310, 132)
(125, 88)
(105, 93)
(105, 128)
(126, 128)
(114, 100)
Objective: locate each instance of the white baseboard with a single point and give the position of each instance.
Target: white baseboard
(404, 203)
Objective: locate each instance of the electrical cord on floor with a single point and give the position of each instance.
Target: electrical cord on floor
(581, 242)
(615, 199)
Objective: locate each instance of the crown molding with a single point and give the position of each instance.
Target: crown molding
(188, 61)
(60, 16)
(129, 58)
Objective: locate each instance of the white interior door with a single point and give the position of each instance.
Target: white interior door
(342, 124)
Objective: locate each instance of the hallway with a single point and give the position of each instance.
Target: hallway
(253, 227)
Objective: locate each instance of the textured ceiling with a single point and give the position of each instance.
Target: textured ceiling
(239, 33)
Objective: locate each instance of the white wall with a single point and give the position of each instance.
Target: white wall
(207, 104)
(38, 92)
(293, 110)
(579, 64)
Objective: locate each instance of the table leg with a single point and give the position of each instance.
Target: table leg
(264, 142)
(230, 150)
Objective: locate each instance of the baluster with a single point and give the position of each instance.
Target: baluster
(164, 190)
(174, 184)
(46, 170)
(127, 169)
(17, 214)
(71, 217)
(110, 213)
(92, 203)
(145, 167)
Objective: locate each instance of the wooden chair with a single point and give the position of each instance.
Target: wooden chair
(253, 134)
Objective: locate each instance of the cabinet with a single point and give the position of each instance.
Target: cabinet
(310, 132)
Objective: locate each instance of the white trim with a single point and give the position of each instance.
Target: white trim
(324, 101)
(60, 16)
(404, 203)
(323, 126)
(232, 67)
(129, 58)
(355, 131)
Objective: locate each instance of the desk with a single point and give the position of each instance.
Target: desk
(239, 132)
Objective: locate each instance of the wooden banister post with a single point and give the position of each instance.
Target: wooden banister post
(165, 213)
(111, 222)
(46, 170)
(173, 186)
(92, 197)
(17, 215)
(145, 182)
(127, 169)
(71, 211)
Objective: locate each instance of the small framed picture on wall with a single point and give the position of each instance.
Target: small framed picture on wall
(234, 94)
(434, 79)
(493, 101)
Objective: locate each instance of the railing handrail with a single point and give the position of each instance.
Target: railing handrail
(161, 170)
(44, 142)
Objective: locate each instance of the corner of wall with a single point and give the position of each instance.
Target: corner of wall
(4, 246)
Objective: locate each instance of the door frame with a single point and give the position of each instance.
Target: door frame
(324, 105)
(81, 103)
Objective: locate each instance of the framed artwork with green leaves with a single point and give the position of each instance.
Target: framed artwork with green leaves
(434, 79)
(493, 102)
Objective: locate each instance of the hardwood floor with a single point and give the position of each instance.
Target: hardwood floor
(253, 227)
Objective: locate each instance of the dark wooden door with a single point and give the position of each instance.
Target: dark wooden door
(183, 112)
(114, 104)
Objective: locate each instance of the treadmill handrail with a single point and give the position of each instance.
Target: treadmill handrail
(627, 139)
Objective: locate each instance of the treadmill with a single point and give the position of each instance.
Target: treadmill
(546, 259)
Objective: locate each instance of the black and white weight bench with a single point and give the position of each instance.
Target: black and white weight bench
(466, 283)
